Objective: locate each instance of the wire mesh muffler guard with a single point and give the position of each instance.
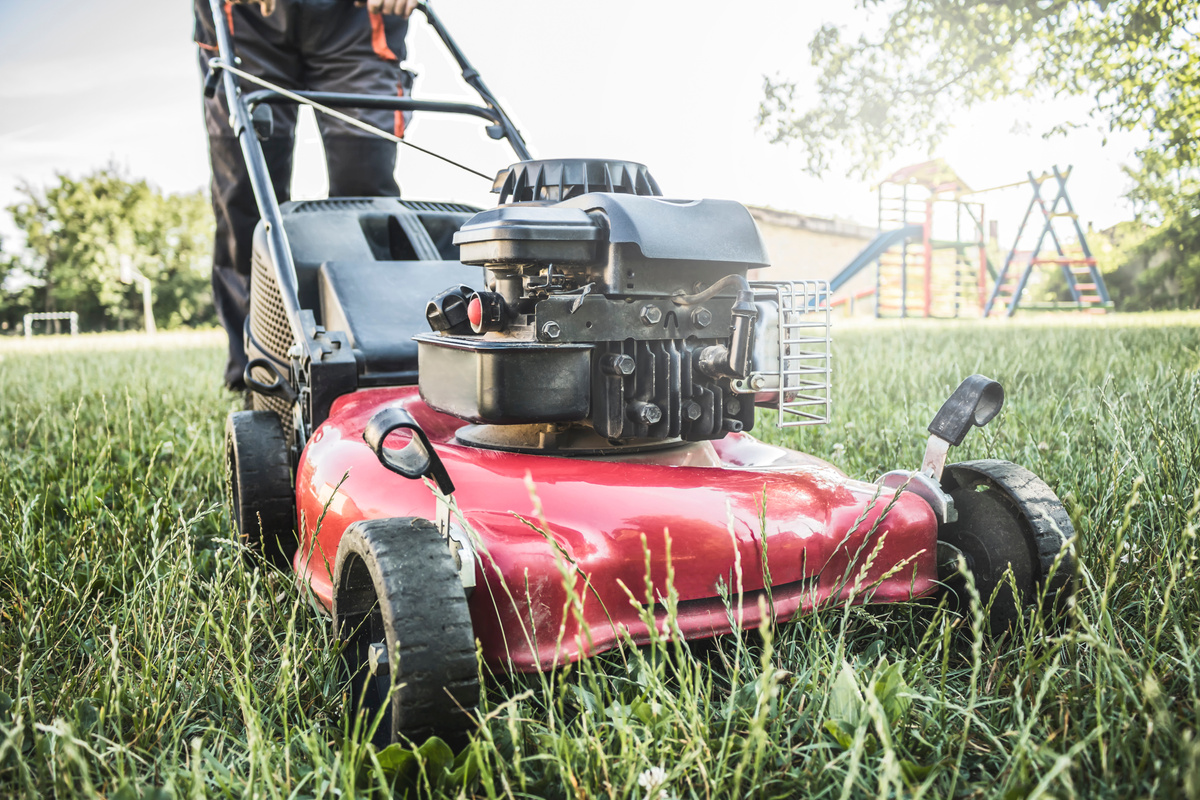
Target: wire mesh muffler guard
(792, 354)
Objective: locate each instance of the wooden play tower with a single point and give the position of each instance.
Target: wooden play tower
(940, 268)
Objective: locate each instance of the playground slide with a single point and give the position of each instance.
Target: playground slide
(872, 251)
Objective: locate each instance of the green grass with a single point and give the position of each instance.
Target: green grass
(139, 657)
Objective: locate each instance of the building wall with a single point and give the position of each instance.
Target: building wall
(805, 248)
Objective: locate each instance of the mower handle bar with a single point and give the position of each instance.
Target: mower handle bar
(256, 163)
(339, 99)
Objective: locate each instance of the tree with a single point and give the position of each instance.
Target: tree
(1138, 59)
(78, 233)
(12, 299)
(1170, 197)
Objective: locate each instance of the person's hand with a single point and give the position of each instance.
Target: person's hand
(402, 7)
(267, 6)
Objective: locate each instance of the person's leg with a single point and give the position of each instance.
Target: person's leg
(262, 45)
(236, 215)
(348, 50)
(361, 167)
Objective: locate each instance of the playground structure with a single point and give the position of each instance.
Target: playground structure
(52, 316)
(1076, 260)
(931, 254)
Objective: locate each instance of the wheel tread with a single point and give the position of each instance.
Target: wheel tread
(423, 604)
(260, 475)
(1048, 519)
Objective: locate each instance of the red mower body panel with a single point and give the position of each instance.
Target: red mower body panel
(802, 533)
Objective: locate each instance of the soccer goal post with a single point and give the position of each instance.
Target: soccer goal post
(50, 316)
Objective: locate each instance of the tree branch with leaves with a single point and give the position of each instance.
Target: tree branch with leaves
(902, 86)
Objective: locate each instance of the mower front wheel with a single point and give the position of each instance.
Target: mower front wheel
(401, 614)
(1008, 518)
(262, 497)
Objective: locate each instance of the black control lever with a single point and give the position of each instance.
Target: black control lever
(975, 402)
(417, 459)
(212, 80)
(280, 387)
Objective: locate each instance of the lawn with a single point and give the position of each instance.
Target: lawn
(141, 657)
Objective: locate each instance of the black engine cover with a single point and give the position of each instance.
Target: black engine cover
(617, 308)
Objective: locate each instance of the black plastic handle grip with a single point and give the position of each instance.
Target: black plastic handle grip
(416, 459)
(281, 387)
(974, 403)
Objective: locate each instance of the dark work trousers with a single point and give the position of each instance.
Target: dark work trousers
(315, 45)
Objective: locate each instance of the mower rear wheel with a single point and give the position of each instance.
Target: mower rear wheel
(396, 587)
(1009, 518)
(262, 497)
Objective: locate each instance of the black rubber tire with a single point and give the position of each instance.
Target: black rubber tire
(1007, 516)
(395, 580)
(262, 496)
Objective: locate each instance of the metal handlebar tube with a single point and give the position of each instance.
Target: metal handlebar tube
(323, 363)
(241, 120)
(335, 99)
(260, 179)
(473, 79)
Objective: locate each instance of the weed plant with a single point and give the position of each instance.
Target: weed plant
(141, 657)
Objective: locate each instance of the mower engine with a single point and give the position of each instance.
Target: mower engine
(616, 318)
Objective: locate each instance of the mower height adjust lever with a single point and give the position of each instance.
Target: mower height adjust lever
(975, 402)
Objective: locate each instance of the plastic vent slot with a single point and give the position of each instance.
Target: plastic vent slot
(555, 180)
(269, 327)
(428, 205)
(333, 204)
(268, 322)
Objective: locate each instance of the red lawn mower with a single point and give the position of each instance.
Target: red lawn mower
(461, 418)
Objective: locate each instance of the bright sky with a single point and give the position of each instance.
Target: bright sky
(670, 84)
